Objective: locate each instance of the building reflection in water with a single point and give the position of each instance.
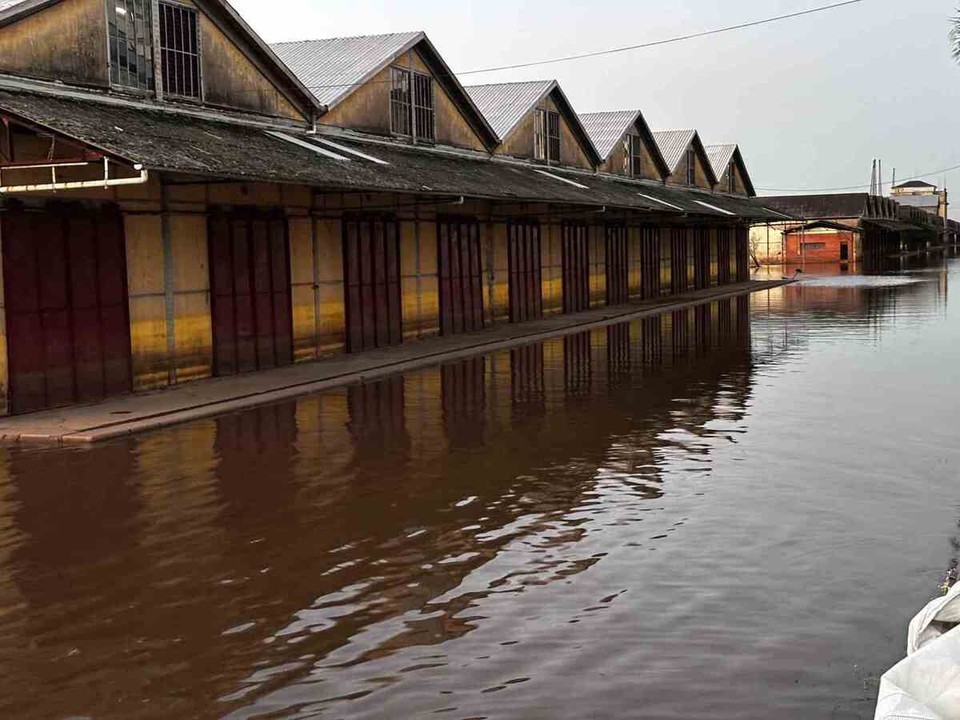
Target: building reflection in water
(265, 561)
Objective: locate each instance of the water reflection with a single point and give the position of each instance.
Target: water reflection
(488, 538)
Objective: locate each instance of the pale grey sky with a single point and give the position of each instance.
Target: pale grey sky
(811, 100)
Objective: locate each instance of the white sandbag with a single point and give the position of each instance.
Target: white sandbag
(926, 686)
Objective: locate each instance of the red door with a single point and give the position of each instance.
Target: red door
(65, 286)
(679, 261)
(723, 256)
(525, 270)
(618, 290)
(650, 262)
(371, 264)
(461, 275)
(250, 290)
(576, 267)
(701, 258)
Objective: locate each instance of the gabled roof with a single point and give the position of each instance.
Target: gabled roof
(606, 129)
(506, 104)
(13, 10)
(720, 157)
(820, 207)
(334, 68)
(674, 143)
(914, 184)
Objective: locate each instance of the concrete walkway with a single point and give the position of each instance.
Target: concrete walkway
(129, 414)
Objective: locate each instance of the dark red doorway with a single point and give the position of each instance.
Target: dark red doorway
(371, 264)
(250, 290)
(525, 271)
(618, 265)
(576, 267)
(461, 275)
(65, 285)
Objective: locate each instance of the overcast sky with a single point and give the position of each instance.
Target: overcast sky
(811, 100)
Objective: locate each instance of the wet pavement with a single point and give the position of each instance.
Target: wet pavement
(725, 512)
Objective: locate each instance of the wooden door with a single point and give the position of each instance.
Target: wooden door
(576, 267)
(724, 256)
(701, 258)
(650, 262)
(68, 328)
(371, 259)
(461, 275)
(618, 265)
(525, 271)
(679, 261)
(250, 292)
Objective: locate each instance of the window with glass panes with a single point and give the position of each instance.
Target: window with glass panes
(691, 167)
(546, 136)
(130, 35)
(636, 156)
(179, 51)
(411, 105)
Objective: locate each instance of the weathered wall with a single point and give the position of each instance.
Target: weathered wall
(818, 246)
(520, 142)
(231, 80)
(679, 177)
(618, 163)
(67, 41)
(367, 109)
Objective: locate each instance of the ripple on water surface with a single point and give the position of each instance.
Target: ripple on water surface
(724, 512)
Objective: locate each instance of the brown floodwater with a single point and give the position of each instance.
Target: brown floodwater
(728, 512)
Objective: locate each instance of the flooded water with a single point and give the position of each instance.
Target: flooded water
(730, 512)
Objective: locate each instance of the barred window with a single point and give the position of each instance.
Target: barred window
(401, 122)
(732, 177)
(691, 167)
(546, 136)
(179, 51)
(130, 33)
(411, 105)
(423, 115)
(636, 156)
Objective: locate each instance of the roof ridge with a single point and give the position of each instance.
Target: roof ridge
(410, 33)
(518, 82)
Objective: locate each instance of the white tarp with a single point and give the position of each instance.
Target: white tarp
(926, 686)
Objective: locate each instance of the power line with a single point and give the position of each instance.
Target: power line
(657, 43)
(861, 187)
(599, 53)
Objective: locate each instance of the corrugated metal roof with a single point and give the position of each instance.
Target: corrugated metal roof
(506, 104)
(607, 128)
(673, 144)
(814, 207)
(332, 68)
(720, 157)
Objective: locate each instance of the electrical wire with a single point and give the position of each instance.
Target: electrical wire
(657, 43)
(629, 48)
(860, 187)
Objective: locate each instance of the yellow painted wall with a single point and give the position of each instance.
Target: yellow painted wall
(618, 163)
(551, 257)
(231, 80)
(679, 176)
(367, 108)
(520, 142)
(65, 42)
